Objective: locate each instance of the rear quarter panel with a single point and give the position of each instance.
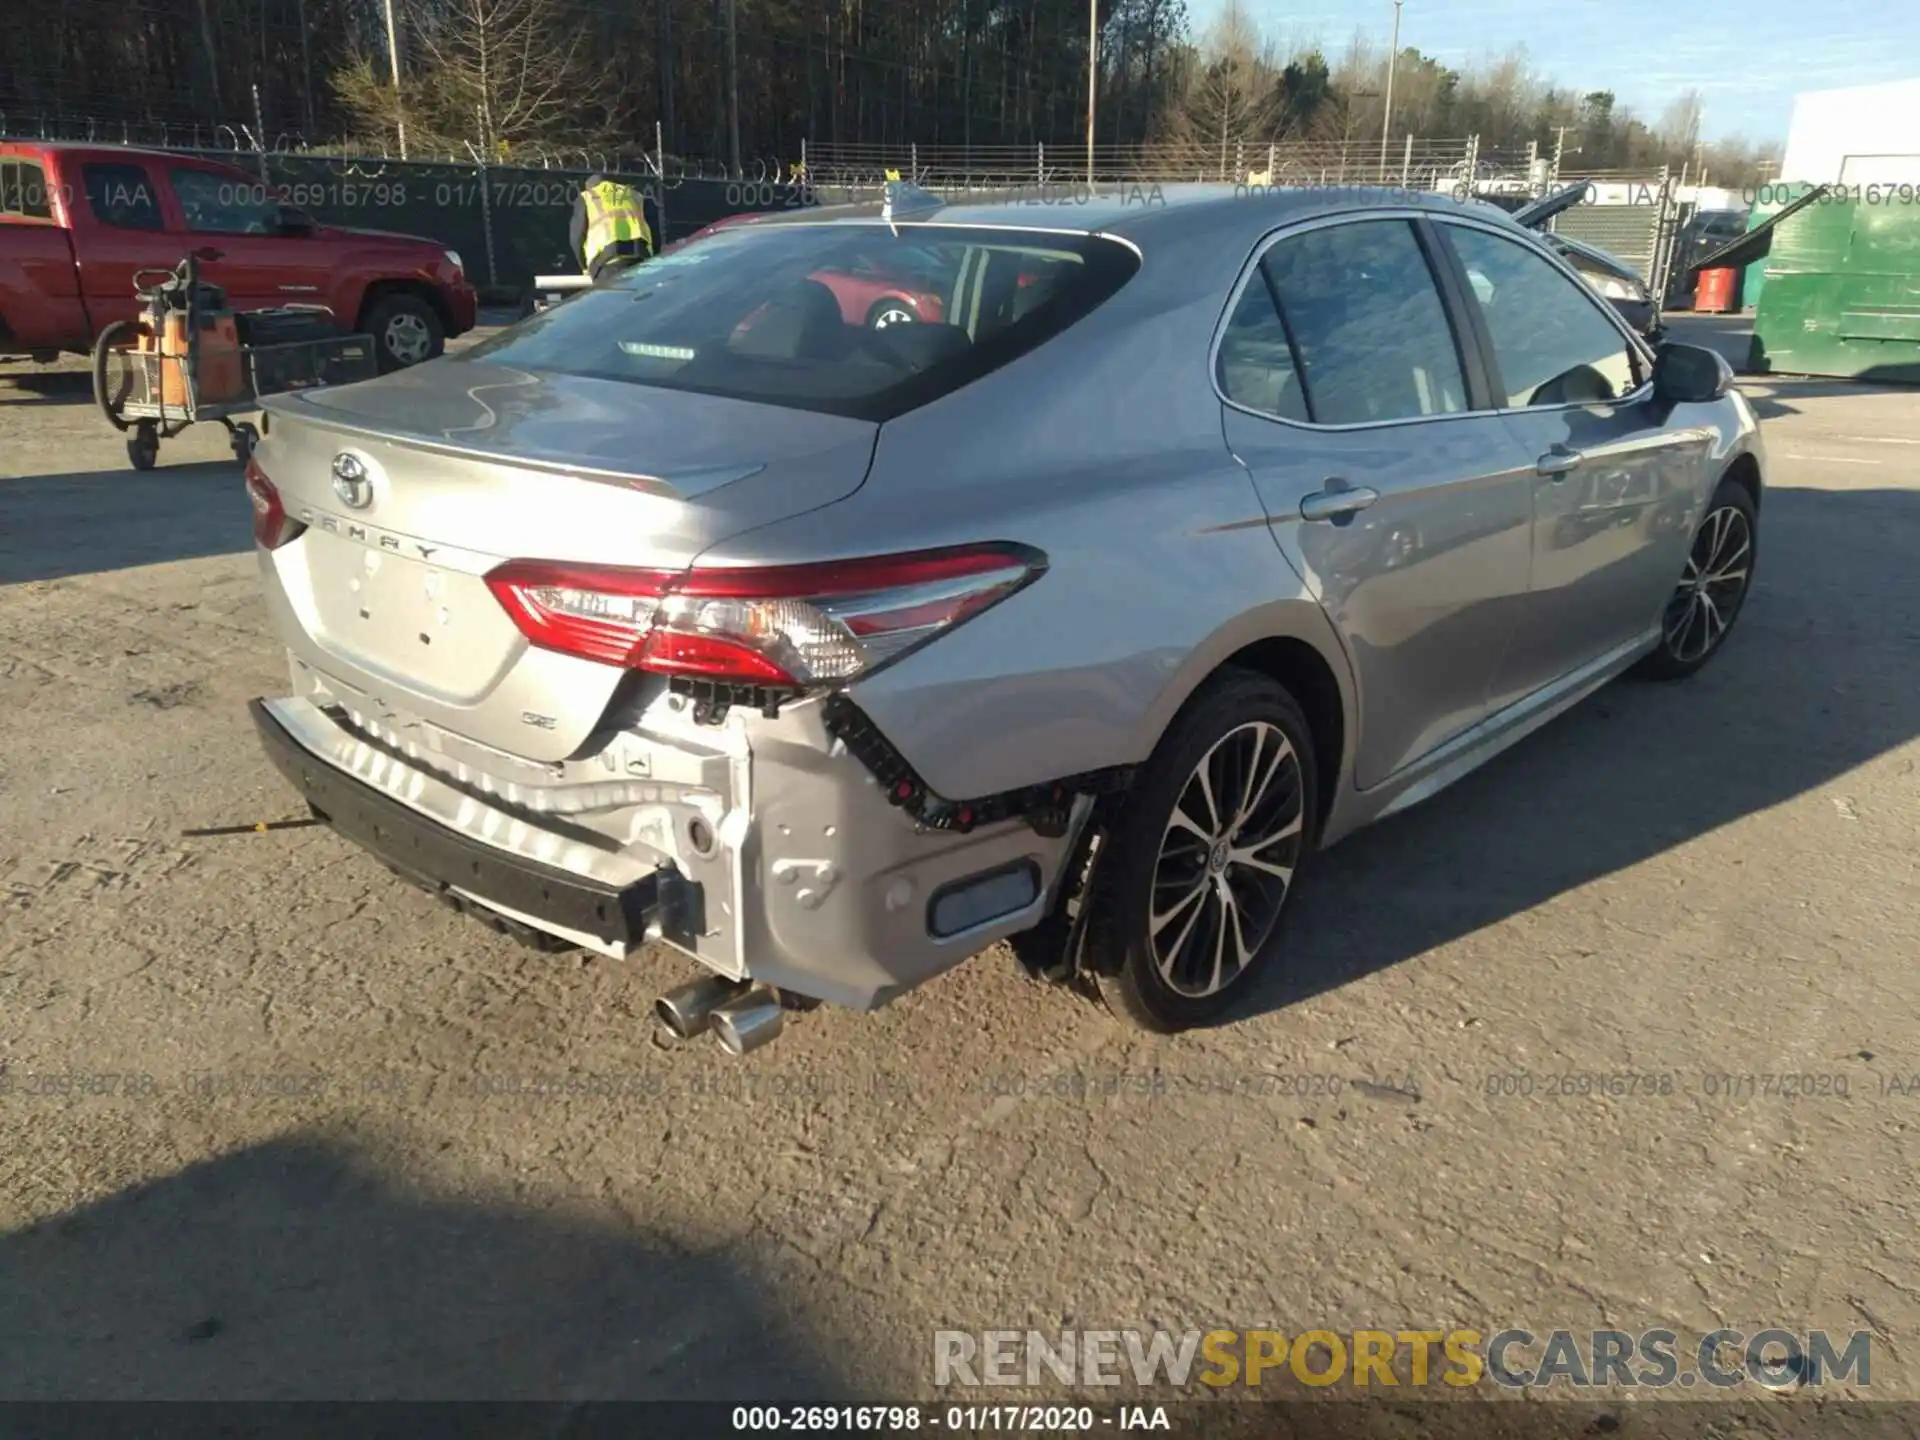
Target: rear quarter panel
(40, 302)
(40, 306)
(109, 256)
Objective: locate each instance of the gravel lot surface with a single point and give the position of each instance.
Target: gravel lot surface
(274, 1125)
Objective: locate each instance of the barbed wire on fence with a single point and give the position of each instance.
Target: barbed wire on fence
(1408, 161)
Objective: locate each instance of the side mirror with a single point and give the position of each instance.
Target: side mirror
(295, 222)
(1690, 374)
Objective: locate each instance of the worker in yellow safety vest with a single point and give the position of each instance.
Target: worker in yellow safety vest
(610, 226)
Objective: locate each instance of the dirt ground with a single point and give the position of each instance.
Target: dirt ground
(273, 1125)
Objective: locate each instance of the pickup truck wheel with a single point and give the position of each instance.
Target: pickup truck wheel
(406, 330)
(1188, 903)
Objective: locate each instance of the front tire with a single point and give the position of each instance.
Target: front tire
(1712, 589)
(406, 330)
(1189, 897)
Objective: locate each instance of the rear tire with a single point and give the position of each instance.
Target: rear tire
(406, 330)
(1700, 613)
(1189, 897)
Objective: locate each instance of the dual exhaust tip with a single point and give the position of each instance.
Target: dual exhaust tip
(741, 1015)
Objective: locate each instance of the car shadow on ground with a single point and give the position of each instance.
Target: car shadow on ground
(54, 526)
(50, 387)
(1821, 675)
(300, 1268)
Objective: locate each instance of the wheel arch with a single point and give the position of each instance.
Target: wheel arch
(1299, 653)
(1744, 471)
(379, 290)
(1306, 675)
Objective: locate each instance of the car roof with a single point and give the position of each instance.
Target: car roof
(1136, 211)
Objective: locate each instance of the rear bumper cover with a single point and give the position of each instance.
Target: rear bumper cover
(816, 880)
(662, 905)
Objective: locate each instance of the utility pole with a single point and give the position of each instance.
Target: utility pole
(306, 66)
(1386, 118)
(1093, 70)
(733, 90)
(393, 64)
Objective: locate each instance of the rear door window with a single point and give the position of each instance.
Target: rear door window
(23, 189)
(1367, 323)
(123, 196)
(789, 313)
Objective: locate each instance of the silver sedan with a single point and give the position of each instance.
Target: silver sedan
(1156, 542)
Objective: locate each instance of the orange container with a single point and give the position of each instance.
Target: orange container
(217, 370)
(220, 374)
(1713, 292)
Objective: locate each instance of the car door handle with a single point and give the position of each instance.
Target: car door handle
(1558, 461)
(1335, 504)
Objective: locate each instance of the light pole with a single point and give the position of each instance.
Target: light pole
(1386, 118)
(1093, 71)
(733, 92)
(393, 62)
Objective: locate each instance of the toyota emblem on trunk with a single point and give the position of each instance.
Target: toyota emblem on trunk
(350, 481)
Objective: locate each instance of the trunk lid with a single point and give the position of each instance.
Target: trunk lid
(414, 486)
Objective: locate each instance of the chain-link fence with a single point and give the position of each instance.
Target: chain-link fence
(509, 219)
(1404, 160)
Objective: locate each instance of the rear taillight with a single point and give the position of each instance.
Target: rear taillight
(271, 527)
(781, 625)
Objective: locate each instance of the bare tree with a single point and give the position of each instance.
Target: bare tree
(497, 75)
(1679, 129)
(1230, 97)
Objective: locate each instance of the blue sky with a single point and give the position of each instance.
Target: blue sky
(1747, 60)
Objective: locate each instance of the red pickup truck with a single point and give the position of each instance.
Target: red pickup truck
(76, 222)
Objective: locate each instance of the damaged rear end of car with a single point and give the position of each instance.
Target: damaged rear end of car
(522, 678)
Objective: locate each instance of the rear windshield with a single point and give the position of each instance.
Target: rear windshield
(849, 319)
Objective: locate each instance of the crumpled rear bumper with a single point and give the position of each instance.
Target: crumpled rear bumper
(660, 905)
(810, 880)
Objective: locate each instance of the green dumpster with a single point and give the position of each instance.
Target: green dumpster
(1842, 290)
(1768, 200)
